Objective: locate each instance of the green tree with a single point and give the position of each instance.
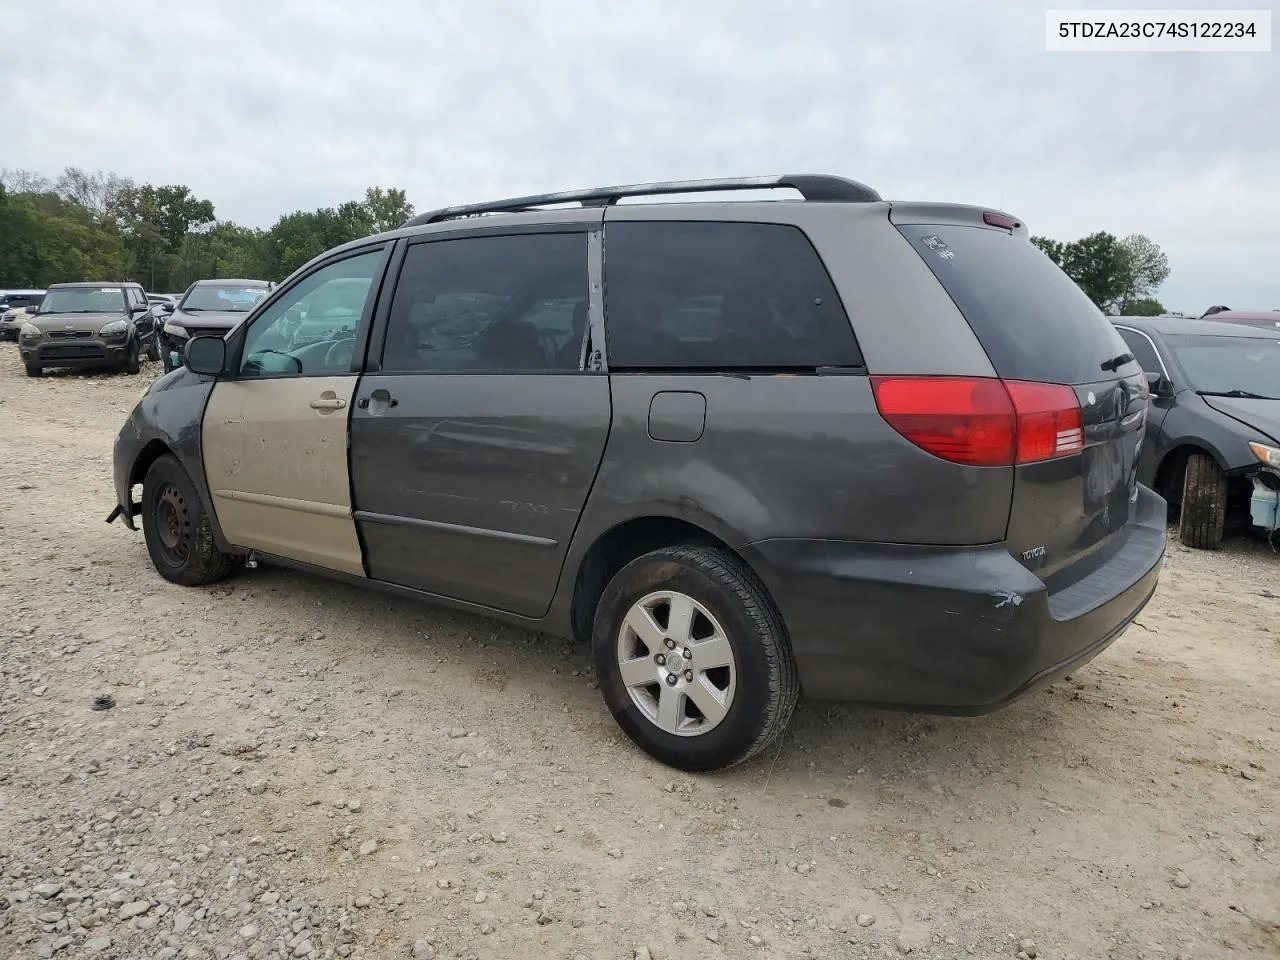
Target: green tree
(1099, 265)
(100, 194)
(1112, 273)
(155, 222)
(1148, 267)
(387, 209)
(102, 226)
(1143, 307)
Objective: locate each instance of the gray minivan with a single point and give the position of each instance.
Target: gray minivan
(879, 452)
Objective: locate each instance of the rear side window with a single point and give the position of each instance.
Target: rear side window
(1030, 317)
(705, 295)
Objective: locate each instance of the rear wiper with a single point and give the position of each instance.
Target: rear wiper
(1238, 394)
(1115, 363)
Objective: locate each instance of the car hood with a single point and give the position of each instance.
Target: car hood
(1261, 415)
(206, 319)
(93, 322)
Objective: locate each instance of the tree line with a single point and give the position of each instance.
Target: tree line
(1120, 276)
(101, 226)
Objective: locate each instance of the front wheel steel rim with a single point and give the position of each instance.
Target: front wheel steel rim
(173, 524)
(677, 663)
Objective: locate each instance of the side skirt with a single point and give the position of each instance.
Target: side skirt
(541, 625)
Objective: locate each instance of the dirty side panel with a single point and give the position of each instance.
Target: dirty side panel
(791, 456)
(470, 485)
(277, 468)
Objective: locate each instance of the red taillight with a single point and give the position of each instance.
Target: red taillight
(1048, 420)
(968, 421)
(980, 421)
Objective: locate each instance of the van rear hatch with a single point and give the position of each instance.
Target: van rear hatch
(1070, 509)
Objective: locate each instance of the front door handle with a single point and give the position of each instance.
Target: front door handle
(329, 402)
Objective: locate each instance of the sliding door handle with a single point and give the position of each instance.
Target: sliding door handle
(328, 403)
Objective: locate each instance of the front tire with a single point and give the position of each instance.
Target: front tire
(1204, 503)
(132, 359)
(33, 370)
(693, 659)
(178, 533)
(153, 347)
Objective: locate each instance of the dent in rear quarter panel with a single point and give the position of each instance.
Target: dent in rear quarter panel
(172, 413)
(789, 456)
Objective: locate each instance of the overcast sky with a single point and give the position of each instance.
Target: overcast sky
(269, 106)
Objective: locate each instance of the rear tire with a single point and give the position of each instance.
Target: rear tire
(34, 371)
(178, 533)
(731, 620)
(1204, 503)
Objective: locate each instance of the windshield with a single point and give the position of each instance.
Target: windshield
(224, 298)
(1244, 366)
(84, 300)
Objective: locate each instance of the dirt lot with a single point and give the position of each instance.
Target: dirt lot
(299, 769)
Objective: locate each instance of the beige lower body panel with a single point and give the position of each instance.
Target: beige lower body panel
(275, 454)
(315, 533)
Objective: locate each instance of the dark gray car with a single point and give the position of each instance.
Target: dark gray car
(884, 452)
(1213, 432)
(209, 307)
(84, 325)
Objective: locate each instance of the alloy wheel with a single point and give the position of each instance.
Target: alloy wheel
(676, 663)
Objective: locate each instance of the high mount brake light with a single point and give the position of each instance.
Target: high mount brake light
(981, 421)
(999, 220)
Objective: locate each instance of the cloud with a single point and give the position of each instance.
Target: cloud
(270, 107)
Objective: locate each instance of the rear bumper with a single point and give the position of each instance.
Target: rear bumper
(949, 629)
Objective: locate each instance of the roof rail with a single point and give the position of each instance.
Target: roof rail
(813, 187)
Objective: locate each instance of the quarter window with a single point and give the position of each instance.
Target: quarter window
(484, 304)
(710, 295)
(1141, 349)
(311, 328)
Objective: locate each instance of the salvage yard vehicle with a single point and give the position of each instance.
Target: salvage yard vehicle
(1213, 430)
(15, 305)
(208, 307)
(884, 452)
(1248, 318)
(11, 321)
(84, 325)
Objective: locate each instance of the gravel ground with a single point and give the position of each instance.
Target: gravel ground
(294, 768)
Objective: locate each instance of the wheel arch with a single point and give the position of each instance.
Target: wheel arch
(152, 451)
(621, 543)
(1173, 463)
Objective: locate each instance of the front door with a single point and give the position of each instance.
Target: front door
(275, 434)
(475, 445)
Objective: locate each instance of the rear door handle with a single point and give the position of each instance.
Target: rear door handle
(328, 403)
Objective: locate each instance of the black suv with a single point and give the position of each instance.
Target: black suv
(883, 452)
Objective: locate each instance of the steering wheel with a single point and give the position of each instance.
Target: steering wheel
(340, 355)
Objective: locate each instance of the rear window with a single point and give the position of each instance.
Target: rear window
(713, 296)
(1030, 317)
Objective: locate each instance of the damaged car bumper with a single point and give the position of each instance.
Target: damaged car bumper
(125, 454)
(963, 630)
